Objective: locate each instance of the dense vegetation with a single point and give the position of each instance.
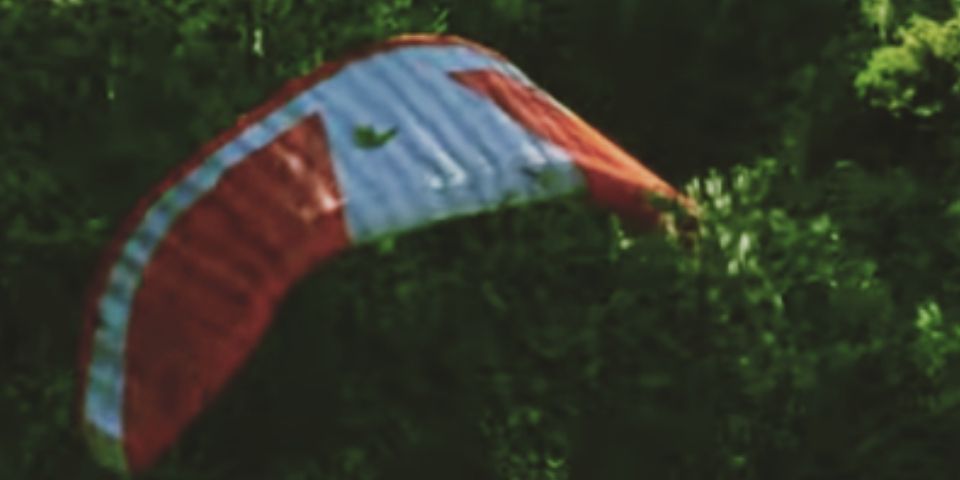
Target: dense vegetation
(813, 331)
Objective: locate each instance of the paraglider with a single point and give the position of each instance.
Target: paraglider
(415, 130)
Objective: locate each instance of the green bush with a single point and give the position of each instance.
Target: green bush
(812, 331)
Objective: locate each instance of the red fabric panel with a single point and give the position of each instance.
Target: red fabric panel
(615, 179)
(210, 289)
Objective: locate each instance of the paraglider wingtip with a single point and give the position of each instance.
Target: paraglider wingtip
(106, 450)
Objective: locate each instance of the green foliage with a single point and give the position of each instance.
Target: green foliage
(921, 74)
(879, 13)
(811, 330)
(367, 137)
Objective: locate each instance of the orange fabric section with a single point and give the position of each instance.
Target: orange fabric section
(614, 178)
(210, 289)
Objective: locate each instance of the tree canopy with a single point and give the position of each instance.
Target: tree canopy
(812, 331)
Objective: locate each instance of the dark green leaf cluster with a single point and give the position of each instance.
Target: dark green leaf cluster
(811, 330)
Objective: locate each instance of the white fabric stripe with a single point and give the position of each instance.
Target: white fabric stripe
(418, 88)
(369, 164)
(431, 165)
(511, 148)
(344, 103)
(533, 151)
(540, 157)
(445, 100)
(376, 204)
(396, 161)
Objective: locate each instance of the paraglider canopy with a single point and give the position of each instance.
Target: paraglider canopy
(412, 131)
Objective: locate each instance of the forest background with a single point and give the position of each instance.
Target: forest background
(812, 333)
